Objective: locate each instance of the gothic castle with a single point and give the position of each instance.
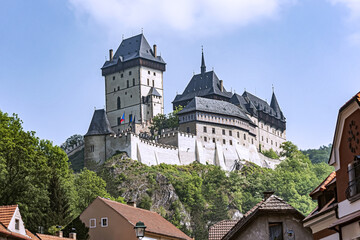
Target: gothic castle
(215, 127)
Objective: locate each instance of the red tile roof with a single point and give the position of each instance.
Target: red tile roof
(153, 221)
(6, 214)
(329, 180)
(31, 235)
(218, 230)
(50, 237)
(11, 235)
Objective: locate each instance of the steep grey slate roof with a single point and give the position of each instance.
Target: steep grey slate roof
(215, 106)
(154, 92)
(239, 101)
(262, 105)
(202, 85)
(99, 124)
(273, 204)
(275, 106)
(132, 48)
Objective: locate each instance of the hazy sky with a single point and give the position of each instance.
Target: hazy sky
(51, 53)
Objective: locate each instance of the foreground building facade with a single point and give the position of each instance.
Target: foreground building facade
(215, 127)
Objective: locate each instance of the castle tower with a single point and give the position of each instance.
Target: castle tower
(133, 83)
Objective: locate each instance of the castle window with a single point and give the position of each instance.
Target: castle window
(230, 133)
(213, 140)
(92, 148)
(267, 140)
(118, 121)
(271, 142)
(252, 141)
(238, 134)
(127, 83)
(129, 73)
(205, 139)
(213, 130)
(114, 89)
(244, 136)
(118, 88)
(267, 128)
(276, 144)
(122, 75)
(262, 125)
(230, 142)
(205, 130)
(224, 141)
(154, 73)
(188, 130)
(148, 82)
(153, 83)
(148, 72)
(223, 131)
(133, 81)
(262, 138)
(130, 118)
(118, 103)
(113, 77)
(130, 96)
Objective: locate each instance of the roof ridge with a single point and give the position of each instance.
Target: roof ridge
(106, 199)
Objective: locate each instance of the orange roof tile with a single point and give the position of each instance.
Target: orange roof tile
(6, 214)
(30, 234)
(153, 221)
(50, 237)
(219, 229)
(11, 235)
(325, 183)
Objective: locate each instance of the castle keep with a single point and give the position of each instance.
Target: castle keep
(215, 126)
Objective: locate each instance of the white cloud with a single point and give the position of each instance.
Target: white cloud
(194, 16)
(352, 5)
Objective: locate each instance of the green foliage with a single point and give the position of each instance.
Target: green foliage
(270, 153)
(145, 202)
(320, 155)
(161, 121)
(72, 141)
(82, 232)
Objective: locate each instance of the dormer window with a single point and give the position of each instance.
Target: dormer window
(17, 224)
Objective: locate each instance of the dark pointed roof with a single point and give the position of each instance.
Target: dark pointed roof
(275, 106)
(154, 92)
(202, 85)
(272, 204)
(132, 48)
(261, 105)
(239, 101)
(215, 106)
(203, 67)
(99, 124)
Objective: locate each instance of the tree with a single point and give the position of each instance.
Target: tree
(72, 141)
(162, 121)
(319, 155)
(288, 149)
(270, 153)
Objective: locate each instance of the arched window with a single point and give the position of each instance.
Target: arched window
(118, 103)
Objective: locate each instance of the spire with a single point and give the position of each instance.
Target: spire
(203, 67)
(275, 105)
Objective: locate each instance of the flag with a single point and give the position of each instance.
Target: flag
(123, 118)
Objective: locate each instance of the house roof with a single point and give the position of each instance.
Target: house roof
(272, 204)
(153, 221)
(355, 216)
(133, 48)
(218, 230)
(202, 85)
(331, 205)
(50, 237)
(322, 186)
(6, 214)
(215, 106)
(11, 235)
(99, 124)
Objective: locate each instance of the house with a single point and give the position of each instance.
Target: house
(110, 220)
(338, 213)
(272, 218)
(218, 230)
(12, 227)
(320, 219)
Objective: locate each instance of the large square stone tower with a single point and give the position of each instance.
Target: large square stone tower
(133, 83)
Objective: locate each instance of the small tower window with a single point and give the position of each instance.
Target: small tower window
(223, 131)
(205, 139)
(213, 130)
(224, 141)
(130, 118)
(127, 83)
(230, 133)
(230, 142)
(238, 134)
(133, 81)
(118, 103)
(244, 136)
(118, 121)
(213, 140)
(113, 77)
(154, 73)
(129, 73)
(188, 130)
(205, 130)
(153, 83)
(148, 82)
(17, 224)
(148, 72)
(122, 75)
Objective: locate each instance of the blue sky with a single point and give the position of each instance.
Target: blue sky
(51, 53)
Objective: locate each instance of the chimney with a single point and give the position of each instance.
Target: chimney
(221, 86)
(154, 50)
(132, 204)
(268, 194)
(72, 235)
(59, 234)
(111, 54)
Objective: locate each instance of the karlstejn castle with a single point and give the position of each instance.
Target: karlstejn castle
(215, 126)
